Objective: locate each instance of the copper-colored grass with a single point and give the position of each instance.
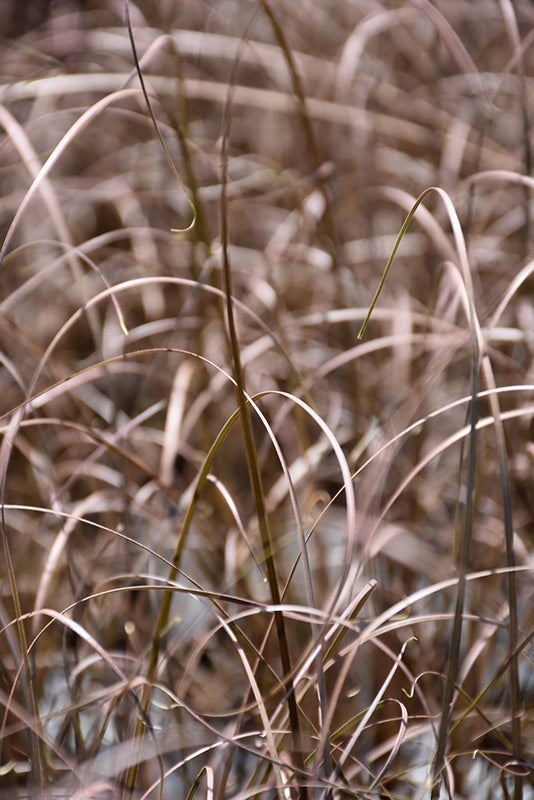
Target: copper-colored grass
(246, 553)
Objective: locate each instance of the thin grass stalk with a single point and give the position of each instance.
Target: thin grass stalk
(207, 773)
(155, 123)
(391, 258)
(467, 526)
(463, 568)
(200, 229)
(311, 139)
(513, 627)
(131, 776)
(502, 457)
(251, 454)
(323, 762)
(257, 486)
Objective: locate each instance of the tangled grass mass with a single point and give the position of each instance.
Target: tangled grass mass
(267, 399)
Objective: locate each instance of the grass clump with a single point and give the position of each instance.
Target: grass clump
(267, 531)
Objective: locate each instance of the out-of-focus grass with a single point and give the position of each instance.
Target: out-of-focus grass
(187, 614)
